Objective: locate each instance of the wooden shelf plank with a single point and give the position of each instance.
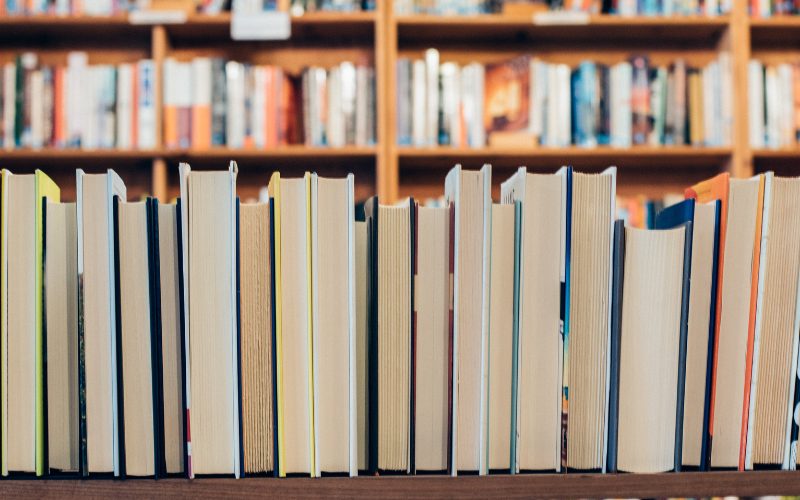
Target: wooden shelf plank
(779, 32)
(640, 156)
(688, 484)
(692, 30)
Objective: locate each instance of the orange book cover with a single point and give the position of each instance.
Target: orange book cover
(716, 188)
(170, 125)
(751, 326)
(59, 133)
(201, 126)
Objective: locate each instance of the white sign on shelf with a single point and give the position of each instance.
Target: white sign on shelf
(157, 17)
(560, 17)
(269, 25)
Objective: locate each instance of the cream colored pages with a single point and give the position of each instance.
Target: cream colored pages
(295, 326)
(21, 324)
(210, 323)
(96, 320)
(394, 337)
(332, 326)
(539, 423)
(172, 368)
(732, 344)
(468, 314)
(256, 337)
(361, 342)
(432, 294)
(698, 331)
(649, 346)
(774, 371)
(589, 316)
(61, 288)
(137, 386)
(501, 335)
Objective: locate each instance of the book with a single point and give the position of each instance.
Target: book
(470, 194)
(587, 322)
(61, 335)
(173, 354)
(506, 97)
(139, 338)
(701, 322)
(334, 341)
(293, 324)
(541, 272)
(208, 242)
(255, 274)
(651, 307)
(97, 328)
(433, 334)
(23, 384)
(362, 329)
(389, 230)
(775, 342)
(501, 336)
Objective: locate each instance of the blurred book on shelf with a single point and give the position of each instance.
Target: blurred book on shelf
(525, 101)
(524, 8)
(774, 104)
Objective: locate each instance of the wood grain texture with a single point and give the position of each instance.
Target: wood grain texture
(696, 484)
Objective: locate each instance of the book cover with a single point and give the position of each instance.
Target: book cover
(616, 328)
(506, 101)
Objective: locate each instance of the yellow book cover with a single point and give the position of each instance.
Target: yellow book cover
(45, 188)
(3, 325)
(274, 189)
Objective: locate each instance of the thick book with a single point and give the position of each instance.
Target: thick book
(138, 338)
(542, 266)
(587, 319)
(256, 346)
(170, 286)
(293, 324)
(209, 225)
(432, 339)
(649, 348)
(390, 246)
(23, 378)
(470, 194)
(775, 342)
(60, 283)
(501, 336)
(333, 318)
(705, 219)
(97, 326)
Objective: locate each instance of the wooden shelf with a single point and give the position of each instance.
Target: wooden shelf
(686, 484)
(552, 158)
(600, 29)
(779, 32)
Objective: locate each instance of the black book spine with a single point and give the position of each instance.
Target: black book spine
(616, 333)
(118, 319)
(238, 366)
(371, 214)
(273, 324)
(687, 270)
(154, 266)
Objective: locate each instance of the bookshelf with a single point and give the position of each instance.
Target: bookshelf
(689, 484)
(380, 38)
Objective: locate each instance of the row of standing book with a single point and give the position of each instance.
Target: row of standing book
(773, 104)
(306, 335)
(525, 101)
(115, 7)
(516, 7)
(207, 102)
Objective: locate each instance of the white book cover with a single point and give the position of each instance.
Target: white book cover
(773, 107)
(124, 105)
(76, 96)
(146, 113)
(787, 133)
(258, 113)
(564, 105)
(9, 96)
(432, 97)
(234, 113)
(755, 96)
